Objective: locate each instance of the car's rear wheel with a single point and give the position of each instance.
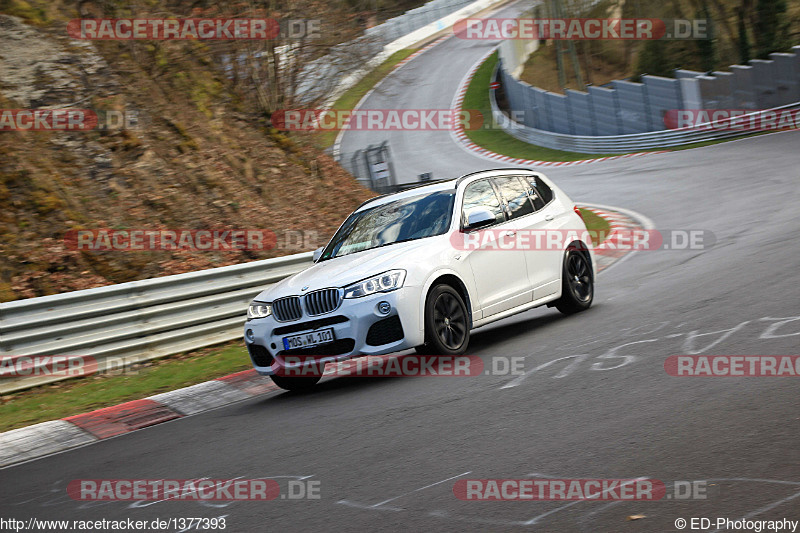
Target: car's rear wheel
(577, 283)
(446, 323)
(295, 383)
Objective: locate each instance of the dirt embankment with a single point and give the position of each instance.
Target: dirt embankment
(197, 156)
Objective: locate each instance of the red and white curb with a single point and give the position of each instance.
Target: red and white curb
(46, 438)
(619, 220)
(24, 444)
(605, 254)
(462, 140)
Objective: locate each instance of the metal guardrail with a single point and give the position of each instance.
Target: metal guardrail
(122, 324)
(414, 19)
(619, 144)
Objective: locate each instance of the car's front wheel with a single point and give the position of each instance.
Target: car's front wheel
(295, 383)
(577, 283)
(446, 322)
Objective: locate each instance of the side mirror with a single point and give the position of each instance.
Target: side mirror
(318, 253)
(479, 218)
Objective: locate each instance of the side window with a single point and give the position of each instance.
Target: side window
(538, 203)
(481, 194)
(544, 190)
(516, 196)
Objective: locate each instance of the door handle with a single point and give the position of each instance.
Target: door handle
(548, 217)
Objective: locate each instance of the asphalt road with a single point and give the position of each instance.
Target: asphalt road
(430, 81)
(387, 452)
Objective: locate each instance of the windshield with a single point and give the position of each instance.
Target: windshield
(399, 221)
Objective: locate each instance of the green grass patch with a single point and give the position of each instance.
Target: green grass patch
(76, 396)
(354, 94)
(596, 223)
(24, 10)
(492, 137)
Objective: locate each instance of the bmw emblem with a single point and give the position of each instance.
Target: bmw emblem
(304, 288)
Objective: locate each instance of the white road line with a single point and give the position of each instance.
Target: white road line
(646, 222)
(422, 488)
(519, 379)
(548, 513)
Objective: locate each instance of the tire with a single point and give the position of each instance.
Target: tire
(577, 282)
(295, 383)
(446, 323)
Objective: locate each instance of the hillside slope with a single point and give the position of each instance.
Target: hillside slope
(198, 157)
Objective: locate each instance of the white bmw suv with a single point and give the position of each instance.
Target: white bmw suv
(421, 268)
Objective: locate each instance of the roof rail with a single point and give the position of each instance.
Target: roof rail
(414, 186)
(425, 184)
(465, 176)
(365, 202)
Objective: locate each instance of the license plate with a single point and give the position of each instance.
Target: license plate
(304, 340)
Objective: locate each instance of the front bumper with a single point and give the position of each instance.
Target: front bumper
(359, 328)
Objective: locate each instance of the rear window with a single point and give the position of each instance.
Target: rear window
(545, 192)
(515, 193)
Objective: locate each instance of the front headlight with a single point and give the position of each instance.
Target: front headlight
(388, 281)
(259, 310)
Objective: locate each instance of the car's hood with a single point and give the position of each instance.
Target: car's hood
(345, 270)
